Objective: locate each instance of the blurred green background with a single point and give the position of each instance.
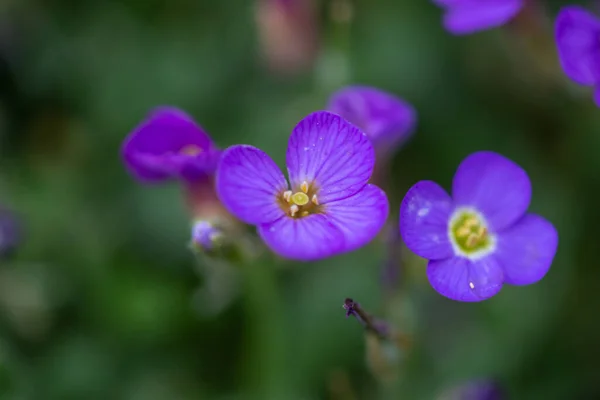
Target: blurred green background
(102, 299)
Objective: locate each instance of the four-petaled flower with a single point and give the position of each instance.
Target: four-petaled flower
(327, 209)
(578, 40)
(386, 119)
(168, 144)
(482, 237)
(469, 16)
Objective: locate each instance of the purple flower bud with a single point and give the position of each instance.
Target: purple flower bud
(484, 389)
(10, 233)
(205, 235)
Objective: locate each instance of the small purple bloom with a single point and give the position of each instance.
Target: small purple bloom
(482, 236)
(169, 145)
(205, 235)
(330, 208)
(483, 389)
(386, 119)
(10, 232)
(577, 34)
(463, 17)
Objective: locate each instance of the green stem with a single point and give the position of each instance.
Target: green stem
(266, 365)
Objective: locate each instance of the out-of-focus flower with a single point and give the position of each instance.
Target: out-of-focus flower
(169, 145)
(386, 119)
(205, 235)
(481, 237)
(330, 208)
(10, 233)
(577, 34)
(483, 389)
(463, 17)
(288, 34)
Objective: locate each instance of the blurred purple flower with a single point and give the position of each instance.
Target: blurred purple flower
(168, 144)
(482, 237)
(10, 232)
(484, 389)
(387, 120)
(330, 210)
(577, 33)
(469, 16)
(205, 235)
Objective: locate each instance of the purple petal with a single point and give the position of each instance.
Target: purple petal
(334, 154)
(248, 184)
(155, 150)
(526, 250)
(597, 96)
(577, 32)
(359, 217)
(424, 215)
(386, 119)
(471, 16)
(495, 186)
(461, 279)
(307, 239)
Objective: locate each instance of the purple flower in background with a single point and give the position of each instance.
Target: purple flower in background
(330, 208)
(386, 119)
(483, 389)
(205, 235)
(10, 232)
(168, 145)
(481, 237)
(577, 34)
(469, 16)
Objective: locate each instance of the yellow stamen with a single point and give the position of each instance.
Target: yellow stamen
(293, 209)
(463, 231)
(287, 196)
(314, 200)
(304, 187)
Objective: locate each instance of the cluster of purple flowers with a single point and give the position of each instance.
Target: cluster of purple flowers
(475, 241)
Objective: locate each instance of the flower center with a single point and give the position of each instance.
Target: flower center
(302, 203)
(469, 232)
(190, 150)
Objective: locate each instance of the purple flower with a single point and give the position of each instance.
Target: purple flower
(578, 40)
(481, 237)
(330, 208)
(469, 16)
(168, 145)
(483, 389)
(387, 120)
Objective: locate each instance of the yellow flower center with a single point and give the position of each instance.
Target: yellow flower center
(301, 203)
(469, 232)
